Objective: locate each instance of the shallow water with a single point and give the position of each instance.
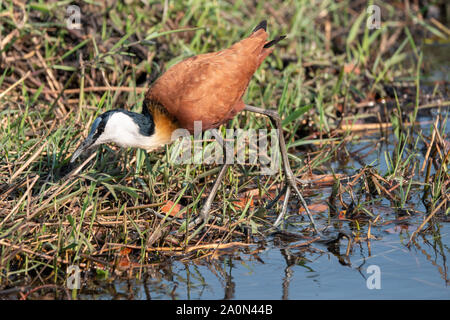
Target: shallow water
(405, 274)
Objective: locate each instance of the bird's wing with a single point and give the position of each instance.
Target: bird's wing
(209, 87)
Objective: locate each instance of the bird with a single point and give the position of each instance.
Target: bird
(207, 87)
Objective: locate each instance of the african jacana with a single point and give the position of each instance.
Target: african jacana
(208, 88)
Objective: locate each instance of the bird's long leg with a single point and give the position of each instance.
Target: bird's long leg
(204, 213)
(289, 176)
(284, 208)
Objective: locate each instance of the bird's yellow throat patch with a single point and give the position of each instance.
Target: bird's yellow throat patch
(165, 124)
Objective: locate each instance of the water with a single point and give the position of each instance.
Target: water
(404, 274)
(416, 273)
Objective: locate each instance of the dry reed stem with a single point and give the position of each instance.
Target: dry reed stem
(426, 220)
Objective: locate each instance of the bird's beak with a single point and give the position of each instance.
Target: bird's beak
(87, 144)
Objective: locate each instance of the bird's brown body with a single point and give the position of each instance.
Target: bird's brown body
(209, 87)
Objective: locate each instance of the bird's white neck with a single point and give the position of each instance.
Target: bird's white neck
(128, 129)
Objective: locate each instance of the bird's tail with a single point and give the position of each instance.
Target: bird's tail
(263, 25)
(267, 47)
(274, 41)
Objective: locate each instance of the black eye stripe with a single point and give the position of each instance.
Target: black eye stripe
(100, 129)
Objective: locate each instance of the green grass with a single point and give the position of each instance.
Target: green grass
(316, 79)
